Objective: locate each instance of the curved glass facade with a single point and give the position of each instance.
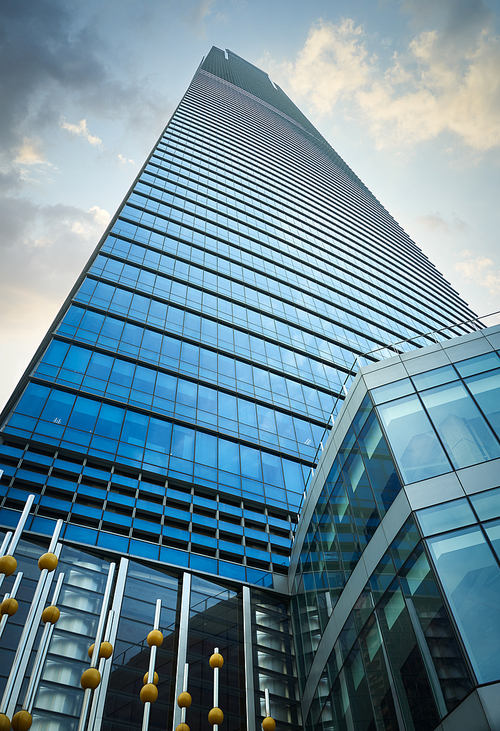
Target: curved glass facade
(395, 633)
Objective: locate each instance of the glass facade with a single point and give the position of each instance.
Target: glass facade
(421, 634)
(173, 419)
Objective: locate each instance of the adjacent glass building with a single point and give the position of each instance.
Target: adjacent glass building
(395, 571)
(174, 415)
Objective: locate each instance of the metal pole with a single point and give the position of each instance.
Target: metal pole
(248, 653)
(97, 645)
(151, 669)
(36, 673)
(28, 634)
(21, 523)
(102, 665)
(97, 708)
(266, 695)
(5, 543)
(184, 690)
(216, 687)
(183, 641)
(12, 595)
(17, 533)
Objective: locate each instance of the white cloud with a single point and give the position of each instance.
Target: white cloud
(431, 87)
(81, 130)
(435, 222)
(124, 160)
(479, 270)
(31, 152)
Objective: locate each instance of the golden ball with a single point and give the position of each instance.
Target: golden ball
(215, 717)
(155, 637)
(8, 565)
(184, 700)
(9, 606)
(50, 614)
(180, 727)
(48, 561)
(106, 650)
(90, 678)
(22, 721)
(155, 678)
(4, 722)
(216, 660)
(268, 724)
(149, 693)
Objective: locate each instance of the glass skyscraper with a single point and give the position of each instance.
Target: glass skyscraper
(175, 412)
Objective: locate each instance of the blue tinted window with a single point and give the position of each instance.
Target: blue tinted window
(33, 400)
(470, 577)
(465, 434)
(487, 504)
(58, 407)
(435, 377)
(447, 516)
(110, 420)
(392, 391)
(479, 364)
(84, 414)
(414, 443)
(486, 390)
(54, 355)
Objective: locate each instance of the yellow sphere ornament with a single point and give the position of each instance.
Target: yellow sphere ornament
(180, 727)
(268, 724)
(215, 717)
(184, 700)
(22, 721)
(8, 565)
(48, 561)
(9, 606)
(4, 722)
(155, 638)
(50, 614)
(90, 678)
(216, 660)
(106, 650)
(149, 693)
(155, 678)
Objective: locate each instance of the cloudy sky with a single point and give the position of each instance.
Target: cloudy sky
(406, 91)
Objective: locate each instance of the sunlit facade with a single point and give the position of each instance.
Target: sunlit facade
(174, 415)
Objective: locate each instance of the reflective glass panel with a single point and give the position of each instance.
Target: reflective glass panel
(466, 435)
(470, 577)
(447, 516)
(486, 390)
(414, 443)
(487, 504)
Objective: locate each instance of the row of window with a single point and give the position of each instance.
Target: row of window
(172, 317)
(264, 184)
(135, 439)
(171, 396)
(275, 262)
(314, 297)
(186, 357)
(281, 224)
